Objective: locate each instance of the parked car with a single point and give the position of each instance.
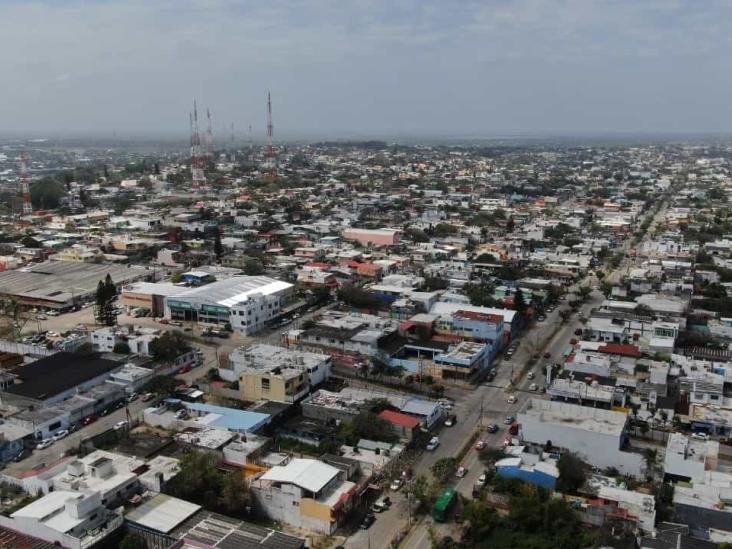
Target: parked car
(461, 472)
(509, 420)
(367, 521)
(450, 421)
(132, 397)
(533, 387)
(493, 428)
(24, 453)
(63, 433)
(530, 375)
(541, 318)
(481, 479)
(181, 414)
(120, 425)
(88, 420)
(45, 443)
(700, 436)
(147, 397)
(381, 505)
(396, 484)
(480, 445)
(433, 443)
(578, 332)
(547, 355)
(512, 399)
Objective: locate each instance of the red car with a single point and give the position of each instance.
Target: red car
(547, 355)
(89, 420)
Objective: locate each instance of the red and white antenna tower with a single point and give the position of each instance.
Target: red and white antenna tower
(270, 153)
(209, 137)
(197, 176)
(25, 184)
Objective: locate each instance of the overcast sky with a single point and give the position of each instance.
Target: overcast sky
(367, 67)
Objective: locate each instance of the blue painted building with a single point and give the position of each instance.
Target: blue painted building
(542, 473)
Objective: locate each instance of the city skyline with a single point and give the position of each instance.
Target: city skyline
(490, 69)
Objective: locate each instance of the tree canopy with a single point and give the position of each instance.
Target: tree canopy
(169, 346)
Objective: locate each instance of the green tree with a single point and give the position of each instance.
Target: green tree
(46, 193)
(253, 267)
(235, 497)
(572, 473)
(444, 469)
(169, 346)
(218, 247)
(104, 302)
(122, 348)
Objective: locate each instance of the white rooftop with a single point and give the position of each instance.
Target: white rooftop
(162, 513)
(573, 416)
(310, 474)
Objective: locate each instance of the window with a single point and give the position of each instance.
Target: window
(265, 384)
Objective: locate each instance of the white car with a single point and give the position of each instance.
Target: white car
(396, 484)
(461, 472)
(433, 443)
(700, 436)
(533, 387)
(530, 375)
(512, 399)
(61, 434)
(449, 422)
(45, 443)
(481, 480)
(119, 425)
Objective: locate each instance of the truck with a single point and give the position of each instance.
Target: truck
(443, 505)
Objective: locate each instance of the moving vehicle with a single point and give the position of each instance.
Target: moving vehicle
(444, 503)
(433, 443)
(461, 472)
(396, 484)
(533, 387)
(512, 399)
(45, 443)
(481, 479)
(480, 445)
(530, 375)
(493, 428)
(367, 521)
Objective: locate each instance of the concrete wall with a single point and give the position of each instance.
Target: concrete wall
(597, 449)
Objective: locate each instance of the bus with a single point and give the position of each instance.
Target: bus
(443, 505)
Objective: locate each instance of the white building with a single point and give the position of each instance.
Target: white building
(689, 459)
(247, 303)
(596, 435)
(69, 519)
(305, 493)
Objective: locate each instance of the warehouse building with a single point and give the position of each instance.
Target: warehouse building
(597, 436)
(61, 285)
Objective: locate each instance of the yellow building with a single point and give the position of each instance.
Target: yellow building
(279, 385)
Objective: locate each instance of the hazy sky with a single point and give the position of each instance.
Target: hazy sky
(367, 67)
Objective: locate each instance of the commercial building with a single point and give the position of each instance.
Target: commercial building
(598, 436)
(305, 493)
(376, 237)
(148, 295)
(57, 377)
(246, 303)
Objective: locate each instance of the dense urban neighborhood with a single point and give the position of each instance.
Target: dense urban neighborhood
(366, 344)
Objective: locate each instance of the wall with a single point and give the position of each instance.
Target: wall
(597, 449)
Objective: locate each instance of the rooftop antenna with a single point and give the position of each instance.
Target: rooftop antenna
(270, 152)
(209, 137)
(25, 184)
(197, 176)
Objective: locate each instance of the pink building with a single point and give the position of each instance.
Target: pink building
(377, 237)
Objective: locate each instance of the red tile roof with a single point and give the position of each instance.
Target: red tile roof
(622, 349)
(398, 418)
